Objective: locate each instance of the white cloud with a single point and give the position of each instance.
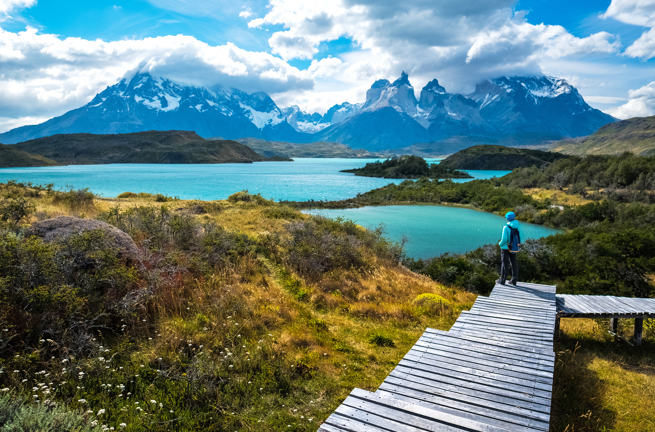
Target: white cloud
(246, 13)
(8, 6)
(639, 13)
(641, 103)
(644, 47)
(635, 12)
(458, 42)
(44, 75)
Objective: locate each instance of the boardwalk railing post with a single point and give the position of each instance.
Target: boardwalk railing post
(639, 327)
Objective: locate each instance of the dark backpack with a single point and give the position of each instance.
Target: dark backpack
(514, 240)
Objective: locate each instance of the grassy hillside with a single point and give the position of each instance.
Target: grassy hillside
(311, 150)
(636, 135)
(13, 157)
(407, 167)
(139, 147)
(239, 314)
(496, 157)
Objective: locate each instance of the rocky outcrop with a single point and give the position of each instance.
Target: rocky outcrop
(62, 227)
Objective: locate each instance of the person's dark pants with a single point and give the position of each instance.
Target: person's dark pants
(508, 259)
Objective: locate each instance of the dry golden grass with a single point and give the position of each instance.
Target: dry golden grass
(602, 384)
(557, 197)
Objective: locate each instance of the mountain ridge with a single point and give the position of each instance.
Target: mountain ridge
(635, 135)
(506, 110)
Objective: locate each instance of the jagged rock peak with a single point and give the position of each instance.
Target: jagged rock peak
(403, 80)
(434, 86)
(381, 83)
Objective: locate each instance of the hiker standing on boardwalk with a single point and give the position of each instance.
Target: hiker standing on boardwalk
(509, 247)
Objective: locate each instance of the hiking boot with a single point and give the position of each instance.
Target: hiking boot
(512, 283)
(499, 282)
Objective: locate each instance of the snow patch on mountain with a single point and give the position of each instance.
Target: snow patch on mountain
(262, 119)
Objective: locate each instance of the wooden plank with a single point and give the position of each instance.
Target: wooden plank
(473, 362)
(476, 373)
(510, 317)
(486, 348)
(355, 420)
(503, 418)
(530, 350)
(329, 428)
(519, 333)
(435, 418)
(469, 387)
(484, 358)
(486, 354)
(530, 326)
(489, 396)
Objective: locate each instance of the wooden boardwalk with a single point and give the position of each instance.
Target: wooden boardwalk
(590, 306)
(492, 371)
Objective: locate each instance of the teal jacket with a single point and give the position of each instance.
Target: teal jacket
(504, 240)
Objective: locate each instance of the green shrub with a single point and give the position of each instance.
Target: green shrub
(164, 198)
(127, 195)
(432, 303)
(48, 287)
(14, 210)
(381, 340)
(244, 196)
(19, 416)
(282, 212)
(74, 199)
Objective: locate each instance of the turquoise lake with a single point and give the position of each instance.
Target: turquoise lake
(434, 230)
(430, 230)
(301, 180)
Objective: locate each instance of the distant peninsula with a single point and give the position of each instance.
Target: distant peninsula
(317, 150)
(12, 157)
(407, 167)
(496, 157)
(155, 147)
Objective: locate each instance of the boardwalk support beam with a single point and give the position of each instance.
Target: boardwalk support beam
(639, 327)
(614, 324)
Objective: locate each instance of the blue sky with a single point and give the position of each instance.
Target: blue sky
(55, 55)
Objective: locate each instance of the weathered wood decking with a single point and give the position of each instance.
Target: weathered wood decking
(493, 371)
(589, 306)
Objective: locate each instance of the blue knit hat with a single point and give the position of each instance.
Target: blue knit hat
(510, 216)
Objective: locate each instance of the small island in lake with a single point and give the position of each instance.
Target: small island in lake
(407, 167)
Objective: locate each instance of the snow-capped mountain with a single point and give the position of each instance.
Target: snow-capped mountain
(539, 107)
(508, 110)
(302, 121)
(144, 102)
(516, 110)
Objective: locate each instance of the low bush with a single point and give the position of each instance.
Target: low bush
(74, 199)
(381, 340)
(164, 198)
(432, 303)
(15, 210)
(19, 416)
(245, 196)
(59, 290)
(283, 212)
(127, 195)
